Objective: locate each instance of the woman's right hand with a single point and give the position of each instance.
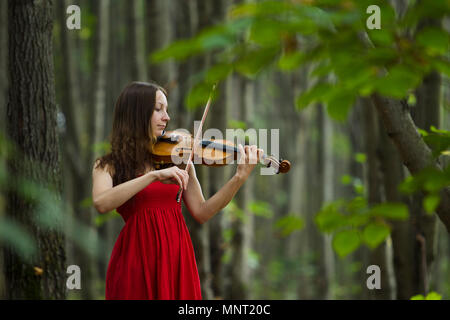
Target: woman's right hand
(173, 175)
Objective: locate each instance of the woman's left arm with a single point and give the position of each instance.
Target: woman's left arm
(202, 210)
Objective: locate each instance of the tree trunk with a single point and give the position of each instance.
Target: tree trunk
(134, 44)
(3, 99)
(414, 240)
(31, 115)
(415, 154)
(242, 229)
(74, 165)
(402, 234)
(199, 233)
(3, 63)
(328, 196)
(374, 191)
(159, 27)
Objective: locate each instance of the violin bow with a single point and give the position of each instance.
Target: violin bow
(194, 144)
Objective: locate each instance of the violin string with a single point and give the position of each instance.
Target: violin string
(216, 146)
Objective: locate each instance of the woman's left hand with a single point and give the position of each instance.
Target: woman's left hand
(248, 159)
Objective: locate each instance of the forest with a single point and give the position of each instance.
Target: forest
(357, 100)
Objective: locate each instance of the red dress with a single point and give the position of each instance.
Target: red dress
(153, 257)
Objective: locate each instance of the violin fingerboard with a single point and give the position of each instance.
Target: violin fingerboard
(160, 166)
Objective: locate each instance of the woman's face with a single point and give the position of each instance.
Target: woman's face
(160, 116)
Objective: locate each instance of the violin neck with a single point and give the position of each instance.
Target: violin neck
(269, 161)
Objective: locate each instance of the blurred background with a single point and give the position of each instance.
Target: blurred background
(311, 69)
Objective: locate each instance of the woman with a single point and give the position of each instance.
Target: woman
(153, 257)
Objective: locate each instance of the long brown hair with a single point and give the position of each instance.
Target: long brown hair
(132, 136)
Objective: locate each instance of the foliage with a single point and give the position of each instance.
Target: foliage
(430, 296)
(431, 180)
(347, 59)
(49, 212)
(288, 224)
(353, 222)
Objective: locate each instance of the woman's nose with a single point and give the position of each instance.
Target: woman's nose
(166, 116)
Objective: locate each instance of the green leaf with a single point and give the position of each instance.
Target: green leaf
(339, 104)
(346, 179)
(381, 37)
(398, 81)
(18, 238)
(412, 100)
(390, 210)
(375, 233)
(346, 241)
(218, 72)
(441, 65)
(100, 219)
(86, 202)
(329, 219)
(314, 94)
(434, 40)
(102, 147)
(357, 204)
(409, 185)
(358, 219)
(235, 124)
(253, 61)
(291, 61)
(178, 50)
(234, 212)
(289, 224)
(360, 157)
(431, 202)
(199, 94)
(433, 296)
(430, 296)
(265, 32)
(261, 208)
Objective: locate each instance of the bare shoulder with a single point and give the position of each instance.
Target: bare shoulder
(106, 169)
(101, 177)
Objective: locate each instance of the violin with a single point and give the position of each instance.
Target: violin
(175, 147)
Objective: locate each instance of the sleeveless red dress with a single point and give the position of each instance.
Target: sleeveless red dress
(153, 257)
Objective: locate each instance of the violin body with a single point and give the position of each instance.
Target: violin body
(174, 148)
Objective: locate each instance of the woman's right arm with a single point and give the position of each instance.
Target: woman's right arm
(106, 197)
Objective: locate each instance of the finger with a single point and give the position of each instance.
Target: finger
(260, 154)
(184, 176)
(180, 183)
(241, 154)
(253, 155)
(181, 177)
(186, 179)
(249, 154)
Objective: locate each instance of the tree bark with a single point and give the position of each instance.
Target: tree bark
(402, 234)
(99, 132)
(374, 186)
(134, 44)
(31, 113)
(242, 229)
(328, 196)
(414, 152)
(159, 27)
(3, 99)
